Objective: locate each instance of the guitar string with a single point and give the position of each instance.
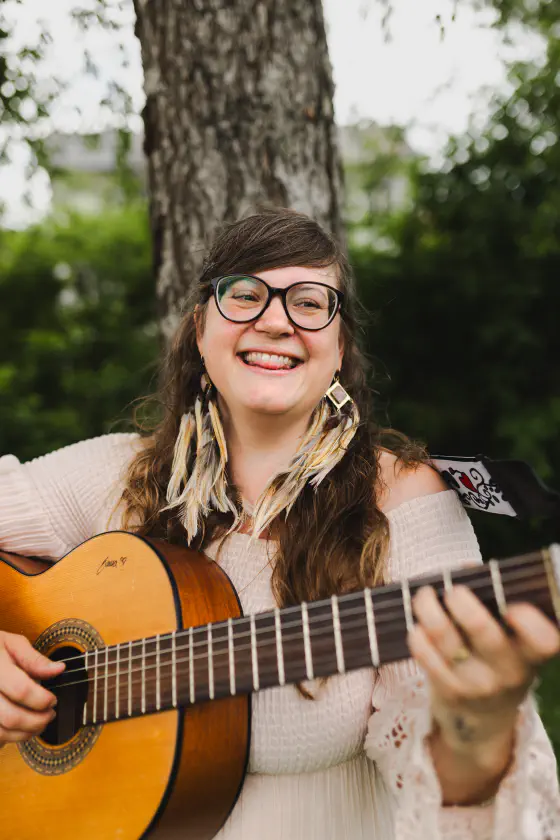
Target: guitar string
(264, 671)
(203, 630)
(380, 607)
(514, 576)
(271, 630)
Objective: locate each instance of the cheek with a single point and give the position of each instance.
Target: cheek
(219, 336)
(324, 349)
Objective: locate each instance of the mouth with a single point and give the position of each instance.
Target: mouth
(269, 361)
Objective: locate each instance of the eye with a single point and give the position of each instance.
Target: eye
(251, 296)
(308, 304)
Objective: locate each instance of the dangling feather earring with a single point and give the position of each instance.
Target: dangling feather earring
(329, 435)
(205, 489)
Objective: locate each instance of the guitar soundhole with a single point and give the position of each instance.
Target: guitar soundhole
(71, 689)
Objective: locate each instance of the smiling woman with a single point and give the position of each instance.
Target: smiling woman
(287, 335)
(266, 431)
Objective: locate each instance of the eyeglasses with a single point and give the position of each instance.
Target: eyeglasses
(243, 298)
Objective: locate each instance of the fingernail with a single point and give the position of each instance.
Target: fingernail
(54, 702)
(53, 715)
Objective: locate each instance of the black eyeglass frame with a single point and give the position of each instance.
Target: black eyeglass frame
(272, 291)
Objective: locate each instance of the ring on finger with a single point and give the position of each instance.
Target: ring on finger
(461, 655)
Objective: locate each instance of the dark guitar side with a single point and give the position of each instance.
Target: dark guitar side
(164, 776)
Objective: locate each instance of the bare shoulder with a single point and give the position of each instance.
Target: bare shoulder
(399, 483)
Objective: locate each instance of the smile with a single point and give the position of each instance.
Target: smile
(269, 362)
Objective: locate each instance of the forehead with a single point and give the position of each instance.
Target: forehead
(282, 277)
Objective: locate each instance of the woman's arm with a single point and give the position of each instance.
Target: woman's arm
(430, 532)
(53, 503)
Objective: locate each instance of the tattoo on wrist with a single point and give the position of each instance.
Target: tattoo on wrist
(464, 730)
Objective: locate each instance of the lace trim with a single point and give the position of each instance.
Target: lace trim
(526, 807)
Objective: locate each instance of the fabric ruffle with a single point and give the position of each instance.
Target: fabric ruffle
(526, 806)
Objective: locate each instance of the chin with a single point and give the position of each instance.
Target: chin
(271, 407)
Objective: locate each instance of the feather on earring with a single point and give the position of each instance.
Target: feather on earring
(324, 445)
(205, 488)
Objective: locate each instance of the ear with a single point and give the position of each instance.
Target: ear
(198, 319)
(340, 348)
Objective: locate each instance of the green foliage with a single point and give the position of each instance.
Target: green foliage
(537, 14)
(466, 332)
(27, 94)
(467, 306)
(79, 328)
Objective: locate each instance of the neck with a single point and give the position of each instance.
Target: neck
(259, 447)
(342, 633)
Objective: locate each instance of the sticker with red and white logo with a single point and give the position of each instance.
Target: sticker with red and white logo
(474, 485)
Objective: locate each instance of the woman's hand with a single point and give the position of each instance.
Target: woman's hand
(475, 699)
(25, 706)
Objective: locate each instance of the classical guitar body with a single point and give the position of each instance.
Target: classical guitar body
(151, 734)
(166, 775)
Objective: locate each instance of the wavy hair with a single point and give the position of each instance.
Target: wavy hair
(342, 551)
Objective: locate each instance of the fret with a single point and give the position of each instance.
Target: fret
(84, 715)
(407, 604)
(143, 707)
(231, 654)
(118, 682)
(210, 664)
(130, 679)
(279, 647)
(174, 669)
(337, 636)
(372, 633)
(106, 686)
(95, 664)
(158, 675)
(447, 582)
(333, 635)
(191, 666)
(254, 659)
(497, 585)
(307, 641)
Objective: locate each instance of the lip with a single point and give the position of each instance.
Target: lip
(274, 352)
(265, 371)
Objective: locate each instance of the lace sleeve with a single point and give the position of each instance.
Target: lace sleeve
(428, 534)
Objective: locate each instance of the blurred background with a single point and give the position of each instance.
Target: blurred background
(446, 120)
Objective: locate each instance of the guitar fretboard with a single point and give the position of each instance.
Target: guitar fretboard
(290, 645)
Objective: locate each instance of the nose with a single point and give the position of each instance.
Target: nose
(274, 320)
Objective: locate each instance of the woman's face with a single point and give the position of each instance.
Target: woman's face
(247, 382)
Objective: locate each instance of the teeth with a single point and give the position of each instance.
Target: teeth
(269, 357)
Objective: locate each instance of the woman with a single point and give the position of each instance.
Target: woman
(255, 442)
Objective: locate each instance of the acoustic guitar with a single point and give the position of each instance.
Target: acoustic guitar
(151, 736)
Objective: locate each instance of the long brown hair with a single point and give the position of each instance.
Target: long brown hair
(342, 550)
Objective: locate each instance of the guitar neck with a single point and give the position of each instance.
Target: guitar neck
(317, 639)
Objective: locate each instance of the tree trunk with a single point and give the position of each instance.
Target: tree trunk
(238, 113)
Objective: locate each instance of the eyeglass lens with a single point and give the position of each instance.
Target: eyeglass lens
(310, 305)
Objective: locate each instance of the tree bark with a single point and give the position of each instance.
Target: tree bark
(238, 113)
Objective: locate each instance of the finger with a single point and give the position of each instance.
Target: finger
(18, 687)
(537, 637)
(17, 719)
(12, 736)
(473, 682)
(443, 679)
(436, 623)
(485, 636)
(32, 662)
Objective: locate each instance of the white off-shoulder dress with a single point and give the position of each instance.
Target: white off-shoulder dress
(351, 764)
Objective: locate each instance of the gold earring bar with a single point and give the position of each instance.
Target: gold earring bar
(338, 395)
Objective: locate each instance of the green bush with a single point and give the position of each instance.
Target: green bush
(78, 325)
